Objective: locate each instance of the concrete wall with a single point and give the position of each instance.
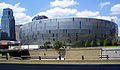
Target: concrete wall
(74, 54)
(29, 47)
(112, 52)
(78, 53)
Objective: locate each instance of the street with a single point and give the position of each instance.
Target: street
(33, 66)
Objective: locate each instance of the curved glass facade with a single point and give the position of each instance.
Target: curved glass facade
(68, 30)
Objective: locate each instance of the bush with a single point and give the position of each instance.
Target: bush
(105, 42)
(87, 43)
(98, 42)
(113, 42)
(46, 44)
(92, 43)
(58, 44)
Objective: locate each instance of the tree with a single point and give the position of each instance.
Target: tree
(58, 44)
(92, 43)
(46, 44)
(98, 42)
(113, 42)
(105, 42)
(86, 43)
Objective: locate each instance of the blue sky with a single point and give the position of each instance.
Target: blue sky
(25, 10)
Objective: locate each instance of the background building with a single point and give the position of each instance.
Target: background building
(17, 30)
(8, 25)
(39, 17)
(0, 33)
(72, 31)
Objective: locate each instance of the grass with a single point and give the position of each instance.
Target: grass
(65, 61)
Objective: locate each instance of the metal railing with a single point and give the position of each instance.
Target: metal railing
(99, 57)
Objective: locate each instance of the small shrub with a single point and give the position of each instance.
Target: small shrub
(113, 42)
(46, 44)
(92, 43)
(98, 42)
(105, 42)
(58, 44)
(86, 43)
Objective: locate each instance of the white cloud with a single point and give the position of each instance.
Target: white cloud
(119, 20)
(104, 4)
(20, 16)
(87, 13)
(63, 3)
(66, 12)
(58, 12)
(118, 31)
(115, 9)
(15, 7)
(115, 18)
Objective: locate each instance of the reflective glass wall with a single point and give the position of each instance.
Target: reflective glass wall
(69, 30)
(8, 25)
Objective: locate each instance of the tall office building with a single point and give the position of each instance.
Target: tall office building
(8, 25)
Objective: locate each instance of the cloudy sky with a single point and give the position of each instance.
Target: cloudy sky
(25, 10)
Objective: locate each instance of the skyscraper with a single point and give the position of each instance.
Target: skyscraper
(8, 24)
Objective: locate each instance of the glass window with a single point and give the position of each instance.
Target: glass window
(53, 34)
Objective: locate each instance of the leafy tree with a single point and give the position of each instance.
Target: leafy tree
(113, 42)
(86, 43)
(98, 42)
(105, 42)
(58, 44)
(92, 43)
(46, 44)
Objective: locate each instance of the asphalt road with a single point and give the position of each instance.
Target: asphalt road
(28, 66)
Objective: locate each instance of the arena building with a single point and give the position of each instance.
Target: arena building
(72, 31)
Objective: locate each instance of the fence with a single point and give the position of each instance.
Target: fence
(101, 57)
